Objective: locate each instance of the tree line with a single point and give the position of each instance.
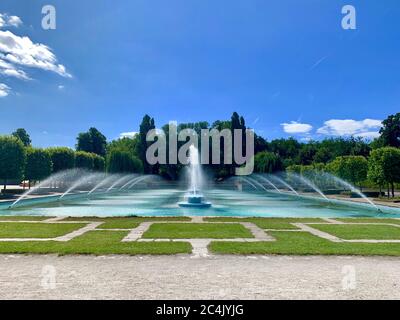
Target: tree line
(353, 159)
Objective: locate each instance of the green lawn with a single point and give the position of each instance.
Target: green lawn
(109, 242)
(351, 232)
(97, 243)
(267, 223)
(124, 222)
(36, 230)
(303, 243)
(23, 218)
(197, 230)
(369, 220)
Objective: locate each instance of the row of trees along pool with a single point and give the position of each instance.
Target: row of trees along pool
(373, 164)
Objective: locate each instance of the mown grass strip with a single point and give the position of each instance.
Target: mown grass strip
(302, 243)
(267, 223)
(357, 232)
(197, 230)
(96, 243)
(36, 230)
(23, 218)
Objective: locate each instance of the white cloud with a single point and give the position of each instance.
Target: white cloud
(4, 90)
(18, 53)
(9, 21)
(61, 87)
(10, 70)
(363, 128)
(23, 52)
(128, 135)
(296, 127)
(368, 135)
(14, 21)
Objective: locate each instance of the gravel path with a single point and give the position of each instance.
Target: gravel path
(184, 277)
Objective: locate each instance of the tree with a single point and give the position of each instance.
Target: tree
(92, 141)
(84, 160)
(323, 155)
(285, 148)
(146, 125)
(375, 169)
(384, 167)
(38, 165)
(98, 163)
(267, 162)
(125, 144)
(12, 159)
(23, 136)
(62, 158)
(123, 162)
(390, 131)
(260, 144)
(351, 168)
(307, 153)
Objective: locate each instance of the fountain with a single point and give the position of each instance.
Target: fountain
(194, 198)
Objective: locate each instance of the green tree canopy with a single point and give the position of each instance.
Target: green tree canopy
(390, 131)
(384, 166)
(38, 164)
(23, 136)
(125, 144)
(267, 162)
(285, 148)
(307, 153)
(12, 158)
(350, 168)
(146, 125)
(84, 160)
(92, 141)
(99, 163)
(62, 158)
(123, 162)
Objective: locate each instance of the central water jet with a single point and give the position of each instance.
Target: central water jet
(194, 198)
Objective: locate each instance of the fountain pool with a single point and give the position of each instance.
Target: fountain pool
(163, 201)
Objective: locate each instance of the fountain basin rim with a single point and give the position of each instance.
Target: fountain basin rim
(185, 204)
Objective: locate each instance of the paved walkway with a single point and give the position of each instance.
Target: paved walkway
(182, 277)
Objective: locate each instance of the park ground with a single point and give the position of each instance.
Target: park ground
(198, 258)
(185, 277)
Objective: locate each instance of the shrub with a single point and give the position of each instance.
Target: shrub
(62, 158)
(12, 159)
(84, 160)
(267, 162)
(123, 162)
(38, 164)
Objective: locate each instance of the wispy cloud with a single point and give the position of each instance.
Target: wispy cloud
(17, 53)
(25, 53)
(127, 135)
(4, 90)
(9, 70)
(295, 127)
(9, 21)
(367, 128)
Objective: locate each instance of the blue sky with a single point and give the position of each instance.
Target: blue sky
(286, 65)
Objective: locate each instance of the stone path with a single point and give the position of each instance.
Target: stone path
(137, 233)
(317, 232)
(79, 232)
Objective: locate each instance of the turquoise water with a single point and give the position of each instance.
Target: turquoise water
(163, 202)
